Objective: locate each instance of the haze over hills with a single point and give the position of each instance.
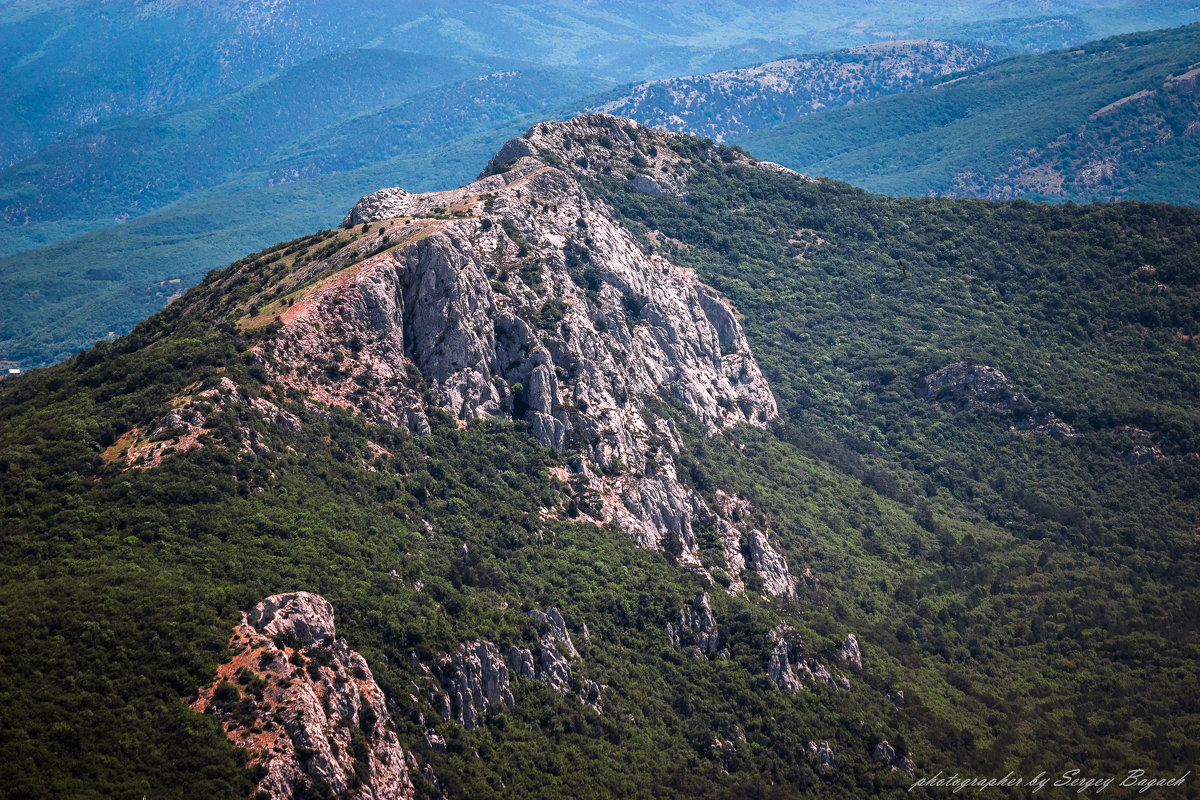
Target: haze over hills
(97, 130)
(635, 468)
(724, 105)
(226, 179)
(1110, 120)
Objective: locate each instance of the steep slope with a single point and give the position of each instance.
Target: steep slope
(1110, 120)
(725, 105)
(478, 425)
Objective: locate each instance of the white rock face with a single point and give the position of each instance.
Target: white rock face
(319, 717)
(790, 668)
(850, 652)
(522, 296)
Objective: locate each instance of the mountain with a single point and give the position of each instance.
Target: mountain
(635, 467)
(145, 143)
(731, 103)
(1109, 120)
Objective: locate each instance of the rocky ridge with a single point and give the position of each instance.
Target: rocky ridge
(305, 706)
(697, 627)
(521, 296)
(730, 103)
(790, 667)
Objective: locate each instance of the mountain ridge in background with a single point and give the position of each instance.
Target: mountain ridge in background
(1108, 120)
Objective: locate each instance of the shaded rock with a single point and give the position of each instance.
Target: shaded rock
(808, 579)
(306, 616)
(552, 629)
(1142, 454)
(698, 622)
(537, 304)
(296, 722)
(963, 386)
(884, 752)
(475, 677)
(825, 755)
(779, 668)
(520, 662)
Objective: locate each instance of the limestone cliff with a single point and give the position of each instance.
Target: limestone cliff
(521, 296)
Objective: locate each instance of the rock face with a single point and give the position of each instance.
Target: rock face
(478, 675)
(521, 296)
(697, 626)
(790, 668)
(771, 566)
(475, 677)
(305, 706)
(850, 652)
(962, 386)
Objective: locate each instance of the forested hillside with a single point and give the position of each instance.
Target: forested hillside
(1015, 555)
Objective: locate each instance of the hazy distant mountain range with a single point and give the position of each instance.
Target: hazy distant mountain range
(137, 160)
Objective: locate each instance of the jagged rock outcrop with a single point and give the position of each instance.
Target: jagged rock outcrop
(522, 296)
(963, 386)
(884, 752)
(1141, 454)
(556, 649)
(771, 566)
(475, 677)
(305, 706)
(823, 754)
(181, 428)
(789, 668)
(478, 675)
(850, 652)
(697, 627)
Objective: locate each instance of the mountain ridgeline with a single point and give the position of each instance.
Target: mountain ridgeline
(636, 467)
(1116, 119)
(731, 103)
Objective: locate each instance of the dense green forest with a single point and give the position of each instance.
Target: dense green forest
(1034, 599)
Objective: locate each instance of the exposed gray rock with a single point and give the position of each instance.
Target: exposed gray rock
(475, 677)
(789, 667)
(823, 754)
(306, 616)
(884, 752)
(698, 625)
(520, 662)
(552, 629)
(300, 737)
(277, 416)
(963, 386)
(1142, 454)
(771, 566)
(533, 303)
(850, 652)
(779, 668)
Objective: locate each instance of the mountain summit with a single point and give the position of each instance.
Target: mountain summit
(521, 296)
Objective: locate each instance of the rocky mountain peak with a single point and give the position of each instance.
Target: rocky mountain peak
(522, 296)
